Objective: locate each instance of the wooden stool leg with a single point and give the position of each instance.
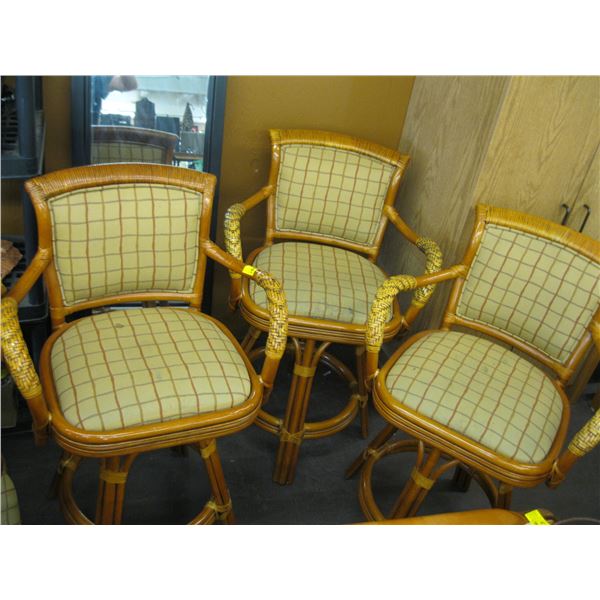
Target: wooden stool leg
(111, 489)
(461, 479)
(417, 486)
(363, 394)
(504, 496)
(380, 439)
(221, 500)
(250, 339)
(292, 427)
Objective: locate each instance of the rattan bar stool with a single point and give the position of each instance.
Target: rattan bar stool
(132, 379)
(484, 395)
(329, 200)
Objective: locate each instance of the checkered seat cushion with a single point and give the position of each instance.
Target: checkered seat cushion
(9, 513)
(321, 282)
(134, 367)
(480, 390)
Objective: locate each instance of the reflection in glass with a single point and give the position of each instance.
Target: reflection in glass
(149, 119)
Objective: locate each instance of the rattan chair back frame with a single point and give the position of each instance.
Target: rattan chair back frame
(444, 439)
(542, 228)
(200, 430)
(281, 138)
(43, 189)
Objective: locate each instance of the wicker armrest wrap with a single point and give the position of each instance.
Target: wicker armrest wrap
(587, 437)
(434, 259)
(378, 315)
(233, 238)
(15, 352)
(391, 287)
(277, 306)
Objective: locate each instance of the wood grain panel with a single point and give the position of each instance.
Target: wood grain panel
(447, 130)
(542, 144)
(589, 194)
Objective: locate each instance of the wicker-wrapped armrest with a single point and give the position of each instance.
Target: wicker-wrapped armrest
(586, 439)
(384, 297)
(233, 237)
(18, 361)
(277, 308)
(433, 262)
(31, 274)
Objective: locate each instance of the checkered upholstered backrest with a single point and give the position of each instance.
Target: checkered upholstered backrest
(533, 288)
(125, 238)
(124, 151)
(115, 144)
(335, 191)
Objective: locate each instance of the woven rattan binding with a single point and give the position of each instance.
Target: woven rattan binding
(233, 240)
(18, 360)
(434, 259)
(380, 309)
(587, 437)
(277, 305)
(15, 352)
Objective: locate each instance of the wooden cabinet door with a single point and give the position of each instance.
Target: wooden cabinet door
(542, 146)
(588, 201)
(525, 143)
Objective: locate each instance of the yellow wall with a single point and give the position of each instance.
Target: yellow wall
(57, 110)
(372, 108)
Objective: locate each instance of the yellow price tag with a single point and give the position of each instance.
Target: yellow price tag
(535, 517)
(249, 270)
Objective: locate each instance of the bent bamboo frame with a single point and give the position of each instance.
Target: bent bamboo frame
(485, 462)
(320, 330)
(18, 360)
(110, 445)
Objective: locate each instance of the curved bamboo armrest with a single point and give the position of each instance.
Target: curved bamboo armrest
(433, 258)
(586, 439)
(233, 237)
(384, 297)
(18, 360)
(31, 274)
(277, 307)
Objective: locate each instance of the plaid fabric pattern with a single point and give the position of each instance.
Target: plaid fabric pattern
(9, 513)
(139, 366)
(320, 281)
(125, 238)
(480, 390)
(331, 192)
(532, 288)
(122, 151)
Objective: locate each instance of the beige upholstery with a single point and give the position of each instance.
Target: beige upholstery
(125, 151)
(138, 366)
(480, 390)
(331, 192)
(321, 282)
(9, 513)
(532, 288)
(119, 238)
